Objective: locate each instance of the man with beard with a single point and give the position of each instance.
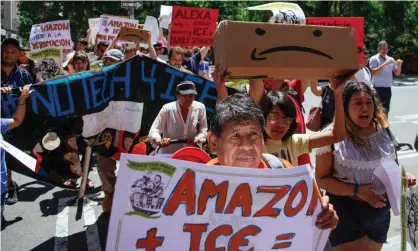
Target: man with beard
(191, 61)
(12, 76)
(175, 59)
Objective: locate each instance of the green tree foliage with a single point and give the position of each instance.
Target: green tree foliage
(395, 22)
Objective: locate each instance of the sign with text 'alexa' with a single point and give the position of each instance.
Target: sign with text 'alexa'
(193, 26)
(163, 203)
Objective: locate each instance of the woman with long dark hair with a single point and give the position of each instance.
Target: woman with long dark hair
(346, 171)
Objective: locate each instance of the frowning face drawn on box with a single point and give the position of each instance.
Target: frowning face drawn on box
(274, 51)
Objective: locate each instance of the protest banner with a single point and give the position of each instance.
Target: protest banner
(409, 218)
(110, 26)
(166, 203)
(133, 35)
(51, 34)
(59, 104)
(355, 22)
(48, 62)
(193, 26)
(94, 25)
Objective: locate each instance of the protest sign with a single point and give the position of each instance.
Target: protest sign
(120, 115)
(110, 26)
(48, 62)
(409, 218)
(151, 25)
(355, 22)
(168, 203)
(283, 12)
(134, 35)
(94, 25)
(192, 26)
(59, 104)
(165, 14)
(51, 34)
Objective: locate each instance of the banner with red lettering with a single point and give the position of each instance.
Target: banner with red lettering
(192, 26)
(110, 26)
(356, 22)
(51, 34)
(165, 204)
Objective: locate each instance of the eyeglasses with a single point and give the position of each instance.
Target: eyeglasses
(275, 118)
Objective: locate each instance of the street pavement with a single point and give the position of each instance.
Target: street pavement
(43, 221)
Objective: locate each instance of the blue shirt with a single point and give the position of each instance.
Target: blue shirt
(19, 77)
(4, 127)
(385, 76)
(193, 63)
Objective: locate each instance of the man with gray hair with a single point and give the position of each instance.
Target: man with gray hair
(382, 66)
(184, 119)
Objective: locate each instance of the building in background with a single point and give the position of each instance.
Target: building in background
(9, 20)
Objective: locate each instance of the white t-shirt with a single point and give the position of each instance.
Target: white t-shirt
(364, 75)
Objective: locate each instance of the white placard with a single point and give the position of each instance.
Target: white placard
(48, 62)
(51, 34)
(151, 24)
(173, 200)
(24, 158)
(165, 14)
(110, 26)
(390, 175)
(119, 115)
(94, 25)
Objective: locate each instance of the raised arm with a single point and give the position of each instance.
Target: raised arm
(375, 69)
(151, 49)
(398, 67)
(256, 90)
(219, 80)
(338, 131)
(20, 112)
(317, 91)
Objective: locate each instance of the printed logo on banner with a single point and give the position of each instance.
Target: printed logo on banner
(147, 193)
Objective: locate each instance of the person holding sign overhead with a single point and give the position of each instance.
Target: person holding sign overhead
(8, 124)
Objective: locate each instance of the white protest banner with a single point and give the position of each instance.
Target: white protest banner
(110, 25)
(48, 62)
(119, 115)
(165, 204)
(51, 34)
(151, 25)
(24, 158)
(283, 12)
(165, 14)
(94, 25)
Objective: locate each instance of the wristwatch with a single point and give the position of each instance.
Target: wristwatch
(356, 187)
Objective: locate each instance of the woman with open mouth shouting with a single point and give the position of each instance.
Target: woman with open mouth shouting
(346, 171)
(280, 115)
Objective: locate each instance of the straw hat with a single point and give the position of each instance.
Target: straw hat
(51, 141)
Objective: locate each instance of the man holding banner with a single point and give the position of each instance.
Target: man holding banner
(8, 124)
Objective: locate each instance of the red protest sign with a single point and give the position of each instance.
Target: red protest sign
(192, 26)
(356, 22)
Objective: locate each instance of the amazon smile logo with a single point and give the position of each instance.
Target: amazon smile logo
(261, 55)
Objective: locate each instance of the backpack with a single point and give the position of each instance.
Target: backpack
(274, 162)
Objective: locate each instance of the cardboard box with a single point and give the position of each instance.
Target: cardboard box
(133, 35)
(263, 50)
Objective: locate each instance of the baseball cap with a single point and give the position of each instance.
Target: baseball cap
(69, 57)
(11, 41)
(160, 43)
(186, 87)
(114, 54)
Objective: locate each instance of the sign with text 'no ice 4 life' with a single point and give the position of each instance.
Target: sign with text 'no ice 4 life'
(193, 26)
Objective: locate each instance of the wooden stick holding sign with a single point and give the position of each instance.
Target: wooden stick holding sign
(134, 35)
